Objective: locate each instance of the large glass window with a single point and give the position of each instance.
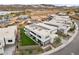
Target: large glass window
(36, 34)
(33, 33)
(33, 37)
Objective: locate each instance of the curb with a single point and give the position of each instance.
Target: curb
(64, 45)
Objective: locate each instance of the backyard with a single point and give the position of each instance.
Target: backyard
(24, 39)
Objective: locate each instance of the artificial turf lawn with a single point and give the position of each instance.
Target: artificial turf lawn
(25, 40)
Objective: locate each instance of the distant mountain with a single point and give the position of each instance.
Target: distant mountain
(23, 7)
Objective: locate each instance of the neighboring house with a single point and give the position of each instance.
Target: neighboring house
(10, 34)
(7, 37)
(2, 44)
(24, 17)
(62, 22)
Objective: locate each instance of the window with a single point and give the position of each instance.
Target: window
(36, 34)
(39, 36)
(34, 37)
(33, 33)
(9, 40)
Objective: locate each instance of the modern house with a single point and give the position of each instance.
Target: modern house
(7, 37)
(61, 22)
(24, 17)
(44, 33)
(41, 33)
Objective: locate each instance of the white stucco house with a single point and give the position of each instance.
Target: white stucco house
(41, 33)
(24, 17)
(61, 22)
(45, 32)
(9, 34)
(7, 37)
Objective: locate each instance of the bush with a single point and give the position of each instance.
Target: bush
(72, 28)
(57, 42)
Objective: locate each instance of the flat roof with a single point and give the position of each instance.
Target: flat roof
(47, 26)
(7, 32)
(58, 21)
(39, 30)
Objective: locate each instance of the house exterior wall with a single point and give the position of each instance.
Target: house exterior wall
(37, 39)
(1, 51)
(2, 43)
(8, 39)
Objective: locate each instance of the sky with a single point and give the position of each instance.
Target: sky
(55, 2)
